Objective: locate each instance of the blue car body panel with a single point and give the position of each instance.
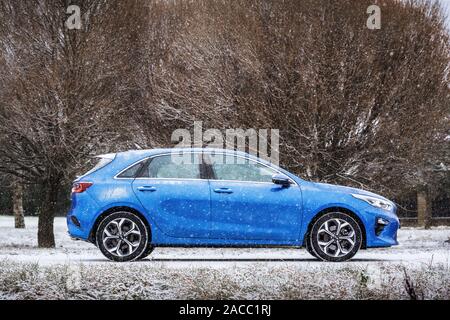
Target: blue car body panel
(188, 212)
(260, 211)
(180, 208)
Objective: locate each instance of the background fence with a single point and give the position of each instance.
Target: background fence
(435, 209)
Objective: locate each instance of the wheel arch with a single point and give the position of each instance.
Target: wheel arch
(113, 210)
(342, 210)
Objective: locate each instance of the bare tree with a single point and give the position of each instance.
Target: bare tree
(62, 96)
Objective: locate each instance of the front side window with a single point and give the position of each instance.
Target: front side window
(228, 167)
(168, 167)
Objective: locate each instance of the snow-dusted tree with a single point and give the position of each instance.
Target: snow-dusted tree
(61, 92)
(355, 106)
(370, 104)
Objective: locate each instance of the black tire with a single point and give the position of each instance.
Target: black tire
(309, 247)
(330, 246)
(136, 246)
(148, 250)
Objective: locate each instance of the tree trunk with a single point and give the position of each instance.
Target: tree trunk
(46, 236)
(19, 221)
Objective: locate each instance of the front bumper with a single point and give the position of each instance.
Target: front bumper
(381, 228)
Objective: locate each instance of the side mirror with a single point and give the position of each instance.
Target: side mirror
(281, 180)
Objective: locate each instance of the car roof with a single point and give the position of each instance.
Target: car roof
(134, 155)
(155, 151)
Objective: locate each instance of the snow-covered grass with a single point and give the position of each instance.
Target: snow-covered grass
(77, 270)
(254, 281)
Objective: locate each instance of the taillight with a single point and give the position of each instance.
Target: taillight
(80, 187)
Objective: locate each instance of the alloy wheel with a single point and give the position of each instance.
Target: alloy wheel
(336, 237)
(121, 237)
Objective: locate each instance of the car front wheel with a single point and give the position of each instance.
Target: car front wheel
(309, 247)
(122, 236)
(336, 237)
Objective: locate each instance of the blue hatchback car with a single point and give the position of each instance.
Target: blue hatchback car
(132, 202)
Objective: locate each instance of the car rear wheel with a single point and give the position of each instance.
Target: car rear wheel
(122, 236)
(336, 237)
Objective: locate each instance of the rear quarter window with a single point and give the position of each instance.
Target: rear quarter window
(131, 172)
(99, 162)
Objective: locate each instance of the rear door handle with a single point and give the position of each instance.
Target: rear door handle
(147, 188)
(223, 190)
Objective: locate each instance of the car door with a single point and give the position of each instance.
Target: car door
(175, 195)
(246, 205)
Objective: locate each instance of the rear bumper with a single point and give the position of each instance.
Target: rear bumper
(79, 219)
(76, 232)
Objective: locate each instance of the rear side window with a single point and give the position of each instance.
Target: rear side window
(165, 167)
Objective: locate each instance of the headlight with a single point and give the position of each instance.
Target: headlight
(376, 202)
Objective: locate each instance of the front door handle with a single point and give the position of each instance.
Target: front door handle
(223, 190)
(147, 188)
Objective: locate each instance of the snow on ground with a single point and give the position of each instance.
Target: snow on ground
(75, 269)
(417, 246)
